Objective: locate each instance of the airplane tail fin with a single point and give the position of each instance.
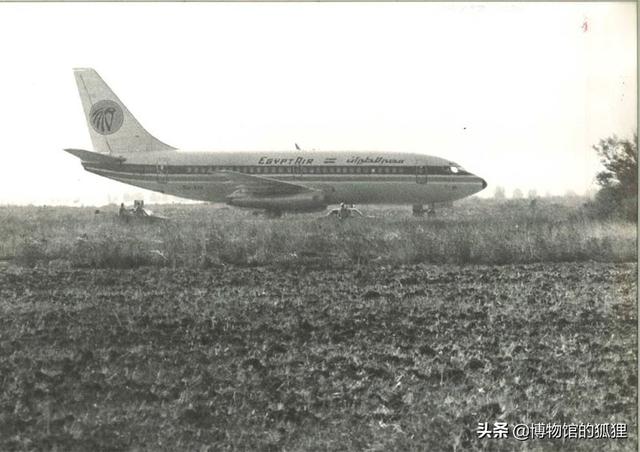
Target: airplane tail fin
(112, 127)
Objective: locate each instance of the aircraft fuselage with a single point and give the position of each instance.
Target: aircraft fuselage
(351, 177)
(271, 180)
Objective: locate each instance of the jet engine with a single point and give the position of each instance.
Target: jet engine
(311, 201)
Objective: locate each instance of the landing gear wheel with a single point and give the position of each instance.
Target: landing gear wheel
(418, 210)
(273, 213)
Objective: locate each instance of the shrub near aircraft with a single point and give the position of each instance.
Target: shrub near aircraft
(274, 181)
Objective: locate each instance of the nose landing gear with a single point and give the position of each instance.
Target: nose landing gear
(419, 210)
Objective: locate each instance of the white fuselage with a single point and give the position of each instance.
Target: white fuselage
(351, 177)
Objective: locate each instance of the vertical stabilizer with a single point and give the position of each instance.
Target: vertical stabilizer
(112, 127)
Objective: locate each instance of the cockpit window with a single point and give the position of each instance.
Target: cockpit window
(454, 168)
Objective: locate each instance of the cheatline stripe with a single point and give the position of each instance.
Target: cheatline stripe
(217, 177)
(326, 168)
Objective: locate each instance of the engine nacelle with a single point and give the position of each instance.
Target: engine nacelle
(302, 202)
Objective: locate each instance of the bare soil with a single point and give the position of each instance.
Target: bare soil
(369, 358)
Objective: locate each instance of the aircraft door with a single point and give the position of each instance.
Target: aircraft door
(421, 174)
(162, 171)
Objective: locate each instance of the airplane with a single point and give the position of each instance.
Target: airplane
(272, 181)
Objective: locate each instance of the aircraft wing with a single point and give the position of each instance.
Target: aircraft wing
(261, 192)
(255, 185)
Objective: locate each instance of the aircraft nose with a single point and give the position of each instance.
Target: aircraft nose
(484, 183)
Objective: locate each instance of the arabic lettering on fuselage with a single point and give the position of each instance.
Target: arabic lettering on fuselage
(372, 160)
(309, 161)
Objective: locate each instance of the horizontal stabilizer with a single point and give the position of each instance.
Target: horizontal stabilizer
(88, 156)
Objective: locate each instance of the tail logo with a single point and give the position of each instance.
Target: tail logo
(106, 117)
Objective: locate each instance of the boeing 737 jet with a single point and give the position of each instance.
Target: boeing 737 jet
(274, 181)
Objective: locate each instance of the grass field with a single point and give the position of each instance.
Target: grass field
(475, 232)
(218, 330)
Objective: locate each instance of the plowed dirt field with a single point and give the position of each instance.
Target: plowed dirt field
(367, 358)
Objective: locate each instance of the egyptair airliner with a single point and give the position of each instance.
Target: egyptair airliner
(274, 181)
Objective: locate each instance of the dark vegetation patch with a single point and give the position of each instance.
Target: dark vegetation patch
(373, 357)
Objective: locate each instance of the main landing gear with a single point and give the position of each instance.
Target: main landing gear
(273, 213)
(419, 211)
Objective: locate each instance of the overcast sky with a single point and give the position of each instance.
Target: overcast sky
(517, 93)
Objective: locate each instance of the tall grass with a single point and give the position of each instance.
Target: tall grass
(474, 232)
